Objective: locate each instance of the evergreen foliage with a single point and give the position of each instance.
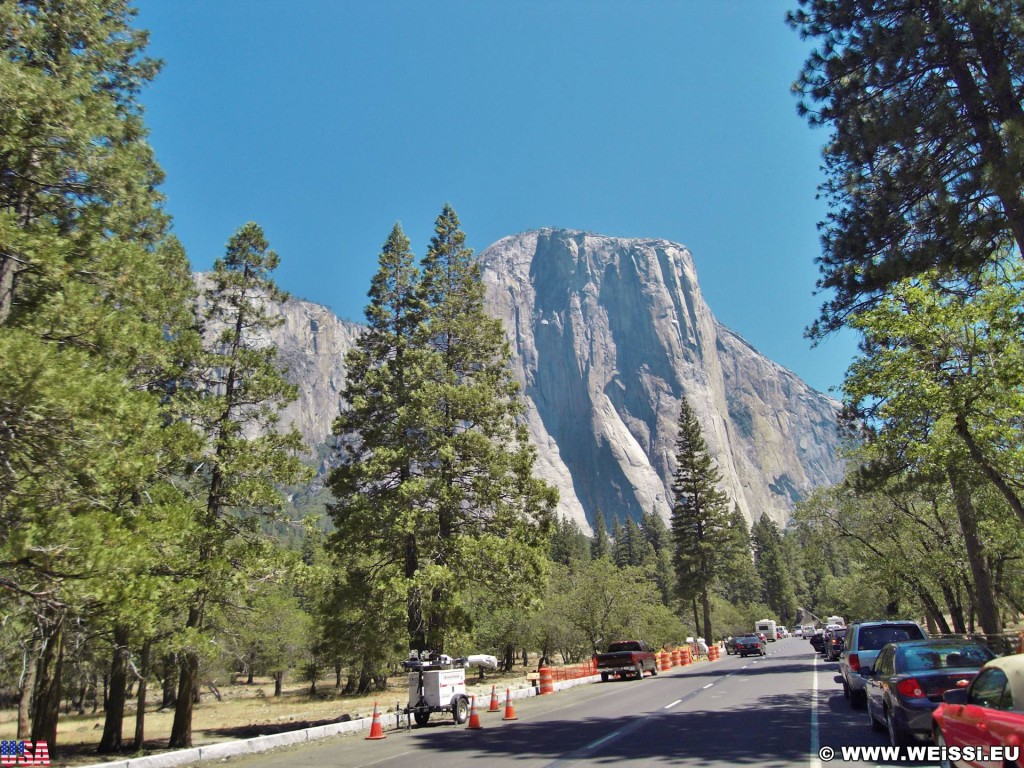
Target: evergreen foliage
(436, 488)
(700, 517)
(925, 158)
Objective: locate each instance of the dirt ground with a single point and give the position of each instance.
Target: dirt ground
(246, 711)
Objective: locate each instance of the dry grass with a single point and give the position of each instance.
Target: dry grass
(246, 711)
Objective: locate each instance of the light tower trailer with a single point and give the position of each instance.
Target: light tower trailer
(437, 683)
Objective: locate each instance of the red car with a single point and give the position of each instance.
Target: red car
(989, 713)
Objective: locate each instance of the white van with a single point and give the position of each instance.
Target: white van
(768, 627)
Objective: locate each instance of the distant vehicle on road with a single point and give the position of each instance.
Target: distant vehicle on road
(749, 645)
(767, 627)
(834, 647)
(908, 680)
(627, 658)
(989, 713)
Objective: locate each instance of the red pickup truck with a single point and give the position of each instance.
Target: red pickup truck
(627, 658)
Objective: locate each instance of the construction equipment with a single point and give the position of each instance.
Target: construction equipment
(437, 683)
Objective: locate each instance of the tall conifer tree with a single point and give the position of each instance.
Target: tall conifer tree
(700, 516)
(244, 459)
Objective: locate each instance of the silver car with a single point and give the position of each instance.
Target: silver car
(863, 642)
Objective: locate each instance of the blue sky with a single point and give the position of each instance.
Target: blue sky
(326, 121)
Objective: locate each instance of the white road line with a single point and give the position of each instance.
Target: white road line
(669, 706)
(707, 686)
(815, 761)
(602, 740)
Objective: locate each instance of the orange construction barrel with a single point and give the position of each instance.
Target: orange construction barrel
(684, 656)
(675, 657)
(547, 682)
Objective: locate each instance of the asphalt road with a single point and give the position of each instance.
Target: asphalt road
(768, 711)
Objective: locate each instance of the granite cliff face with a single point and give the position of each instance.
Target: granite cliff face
(607, 335)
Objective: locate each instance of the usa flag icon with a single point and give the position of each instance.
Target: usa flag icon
(21, 753)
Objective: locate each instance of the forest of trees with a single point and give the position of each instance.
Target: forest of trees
(146, 540)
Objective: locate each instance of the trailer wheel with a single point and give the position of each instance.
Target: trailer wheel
(460, 709)
(421, 716)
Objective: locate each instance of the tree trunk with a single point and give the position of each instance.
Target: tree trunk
(337, 675)
(279, 679)
(28, 683)
(114, 721)
(169, 683)
(705, 599)
(140, 706)
(414, 620)
(46, 700)
(188, 685)
(984, 594)
(181, 729)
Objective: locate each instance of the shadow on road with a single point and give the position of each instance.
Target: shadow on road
(774, 730)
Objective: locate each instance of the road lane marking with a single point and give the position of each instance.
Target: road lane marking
(602, 740)
(707, 686)
(669, 706)
(815, 761)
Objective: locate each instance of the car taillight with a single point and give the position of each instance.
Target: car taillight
(910, 688)
(854, 660)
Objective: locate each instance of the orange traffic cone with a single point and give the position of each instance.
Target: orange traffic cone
(510, 711)
(376, 729)
(494, 701)
(474, 718)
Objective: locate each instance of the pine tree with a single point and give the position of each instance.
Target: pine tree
(491, 515)
(569, 545)
(777, 585)
(91, 288)
(739, 582)
(600, 547)
(700, 516)
(437, 470)
(659, 537)
(925, 157)
(244, 459)
(378, 511)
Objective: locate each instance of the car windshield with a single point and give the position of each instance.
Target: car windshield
(920, 658)
(873, 638)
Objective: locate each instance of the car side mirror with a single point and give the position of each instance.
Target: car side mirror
(955, 696)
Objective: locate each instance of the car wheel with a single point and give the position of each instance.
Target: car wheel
(897, 738)
(654, 672)
(604, 677)
(460, 709)
(846, 689)
(940, 742)
(639, 671)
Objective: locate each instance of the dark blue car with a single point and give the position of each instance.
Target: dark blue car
(907, 681)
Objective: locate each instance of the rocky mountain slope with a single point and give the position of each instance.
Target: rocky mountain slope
(607, 335)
